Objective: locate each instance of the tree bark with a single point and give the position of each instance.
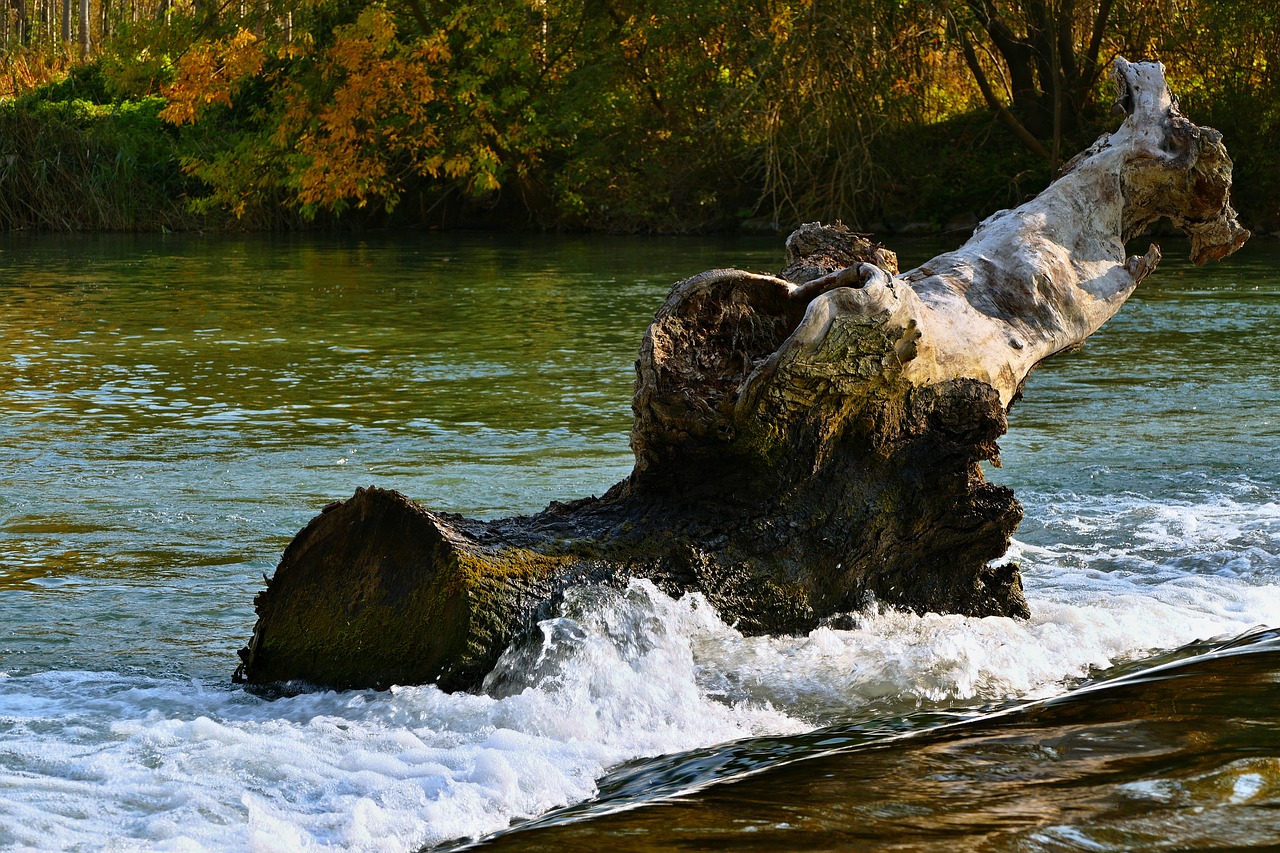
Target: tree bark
(24, 23)
(85, 30)
(805, 443)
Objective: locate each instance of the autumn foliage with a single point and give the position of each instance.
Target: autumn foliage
(347, 121)
(344, 132)
(632, 115)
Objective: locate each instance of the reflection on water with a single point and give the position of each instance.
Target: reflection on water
(176, 408)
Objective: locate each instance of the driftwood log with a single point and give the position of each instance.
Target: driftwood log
(803, 442)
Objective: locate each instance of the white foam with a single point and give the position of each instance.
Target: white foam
(1126, 576)
(98, 761)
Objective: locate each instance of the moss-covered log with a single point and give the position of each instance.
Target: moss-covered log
(804, 442)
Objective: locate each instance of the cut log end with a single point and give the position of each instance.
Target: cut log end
(378, 591)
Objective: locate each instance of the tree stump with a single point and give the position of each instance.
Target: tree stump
(805, 443)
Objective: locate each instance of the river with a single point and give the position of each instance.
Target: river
(176, 408)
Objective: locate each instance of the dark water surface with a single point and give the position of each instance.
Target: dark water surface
(1167, 758)
(175, 409)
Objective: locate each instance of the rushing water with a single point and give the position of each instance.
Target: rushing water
(176, 409)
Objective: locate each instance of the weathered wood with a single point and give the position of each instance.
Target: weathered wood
(804, 443)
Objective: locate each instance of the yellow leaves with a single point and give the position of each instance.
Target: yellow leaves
(485, 182)
(243, 56)
(371, 36)
(295, 49)
(210, 73)
(782, 21)
(457, 166)
(346, 118)
(373, 116)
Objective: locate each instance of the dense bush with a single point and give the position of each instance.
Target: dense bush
(75, 164)
(614, 115)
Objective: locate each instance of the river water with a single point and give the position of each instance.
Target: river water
(175, 409)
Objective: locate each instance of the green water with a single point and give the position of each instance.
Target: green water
(176, 408)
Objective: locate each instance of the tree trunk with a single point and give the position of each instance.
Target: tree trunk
(804, 443)
(85, 25)
(1049, 80)
(24, 23)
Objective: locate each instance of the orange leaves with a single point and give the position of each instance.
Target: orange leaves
(210, 73)
(372, 120)
(351, 116)
(24, 70)
(343, 125)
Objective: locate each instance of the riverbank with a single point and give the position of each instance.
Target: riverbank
(76, 157)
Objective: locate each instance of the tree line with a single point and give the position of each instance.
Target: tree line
(617, 115)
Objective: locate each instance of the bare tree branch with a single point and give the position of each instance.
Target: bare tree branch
(989, 95)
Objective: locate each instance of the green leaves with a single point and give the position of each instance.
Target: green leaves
(651, 115)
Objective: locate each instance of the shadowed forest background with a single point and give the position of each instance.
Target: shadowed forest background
(669, 116)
